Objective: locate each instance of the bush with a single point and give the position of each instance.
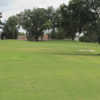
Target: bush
(60, 34)
(99, 40)
(84, 39)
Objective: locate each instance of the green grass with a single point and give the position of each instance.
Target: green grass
(52, 70)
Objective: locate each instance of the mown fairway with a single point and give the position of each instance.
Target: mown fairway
(53, 70)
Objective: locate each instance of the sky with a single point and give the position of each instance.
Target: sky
(11, 7)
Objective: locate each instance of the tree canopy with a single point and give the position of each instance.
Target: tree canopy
(79, 16)
(10, 29)
(33, 21)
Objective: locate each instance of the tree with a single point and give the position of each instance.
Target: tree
(93, 31)
(76, 16)
(51, 20)
(82, 14)
(10, 29)
(33, 21)
(0, 19)
(68, 22)
(54, 19)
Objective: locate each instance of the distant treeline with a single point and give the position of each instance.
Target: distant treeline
(79, 16)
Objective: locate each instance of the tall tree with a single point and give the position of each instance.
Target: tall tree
(76, 16)
(53, 18)
(10, 29)
(68, 21)
(33, 21)
(0, 19)
(93, 31)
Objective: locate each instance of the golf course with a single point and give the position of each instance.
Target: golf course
(49, 70)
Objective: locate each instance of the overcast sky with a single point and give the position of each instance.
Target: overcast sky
(11, 7)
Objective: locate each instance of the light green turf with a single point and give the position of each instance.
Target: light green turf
(52, 70)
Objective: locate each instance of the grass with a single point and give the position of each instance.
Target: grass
(53, 70)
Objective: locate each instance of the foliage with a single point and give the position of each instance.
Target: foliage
(53, 18)
(68, 22)
(84, 39)
(10, 29)
(60, 34)
(0, 19)
(33, 21)
(76, 16)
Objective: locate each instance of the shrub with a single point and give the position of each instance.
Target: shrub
(84, 39)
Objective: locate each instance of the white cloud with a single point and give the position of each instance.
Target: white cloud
(19, 5)
(38, 3)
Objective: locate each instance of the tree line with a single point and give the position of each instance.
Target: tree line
(79, 16)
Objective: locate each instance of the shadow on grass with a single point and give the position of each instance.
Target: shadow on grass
(76, 54)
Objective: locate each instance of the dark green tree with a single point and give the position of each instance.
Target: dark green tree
(0, 19)
(76, 16)
(53, 16)
(10, 29)
(93, 30)
(33, 21)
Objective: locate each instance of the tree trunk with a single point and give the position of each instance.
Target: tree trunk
(73, 37)
(36, 38)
